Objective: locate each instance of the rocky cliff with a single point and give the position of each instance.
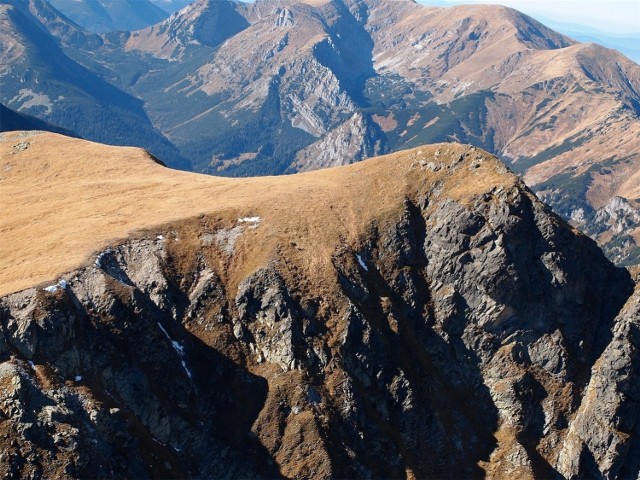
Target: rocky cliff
(421, 315)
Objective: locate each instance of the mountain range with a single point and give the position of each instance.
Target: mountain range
(279, 86)
(417, 315)
(625, 43)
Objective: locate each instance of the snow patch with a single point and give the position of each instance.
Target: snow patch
(179, 350)
(577, 215)
(461, 87)
(54, 288)
(102, 257)
(158, 441)
(160, 237)
(361, 262)
(249, 220)
(78, 378)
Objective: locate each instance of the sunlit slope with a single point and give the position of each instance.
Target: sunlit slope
(63, 199)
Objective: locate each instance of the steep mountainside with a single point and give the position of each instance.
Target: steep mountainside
(46, 18)
(10, 121)
(289, 86)
(38, 78)
(413, 316)
(111, 15)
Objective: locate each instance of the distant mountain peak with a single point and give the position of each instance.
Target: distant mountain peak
(204, 22)
(43, 15)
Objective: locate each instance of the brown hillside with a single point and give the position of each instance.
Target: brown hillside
(63, 199)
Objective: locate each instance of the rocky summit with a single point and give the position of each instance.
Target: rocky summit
(419, 315)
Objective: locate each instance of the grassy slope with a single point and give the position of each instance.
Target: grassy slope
(64, 198)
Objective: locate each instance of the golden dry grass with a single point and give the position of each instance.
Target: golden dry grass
(63, 199)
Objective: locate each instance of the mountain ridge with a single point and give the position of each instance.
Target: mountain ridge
(11, 121)
(131, 181)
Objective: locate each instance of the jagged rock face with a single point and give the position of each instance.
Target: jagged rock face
(352, 140)
(464, 331)
(612, 399)
(613, 226)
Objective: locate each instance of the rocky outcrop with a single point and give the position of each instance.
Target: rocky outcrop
(613, 225)
(463, 331)
(603, 438)
(347, 143)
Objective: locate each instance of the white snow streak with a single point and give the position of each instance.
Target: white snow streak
(249, 220)
(361, 262)
(54, 288)
(179, 350)
(101, 257)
